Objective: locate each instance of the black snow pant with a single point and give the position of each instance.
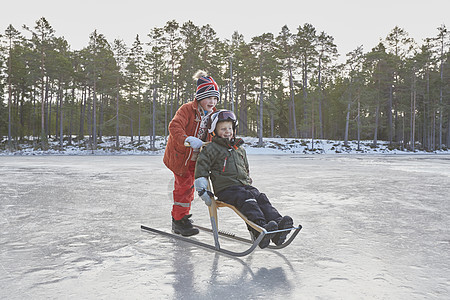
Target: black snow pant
(249, 201)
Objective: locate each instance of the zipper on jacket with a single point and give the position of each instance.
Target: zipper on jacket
(195, 134)
(224, 164)
(226, 159)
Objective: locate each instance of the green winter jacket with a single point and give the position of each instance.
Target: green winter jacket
(226, 163)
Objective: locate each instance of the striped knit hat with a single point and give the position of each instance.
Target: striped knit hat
(206, 86)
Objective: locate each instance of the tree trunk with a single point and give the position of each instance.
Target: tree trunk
(89, 116)
(117, 113)
(153, 139)
(320, 115)
(10, 147)
(312, 123)
(305, 98)
(43, 132)
(403, 132)
(165, 118)
(139, 122)
(131, 118)
(389, 113)
(429, 127)
(61, 120)
(224, 91)
(171, 93)
(48, 101)
(57, 103)
(34, 115)
(72, 106)
(441, 107)
(448, 131)
(231, 85)
(102, 120)
(94, 114)
(433, 136)
(243, 109)
(347, 119)
(291, 91)
(260, 131)
(358, 124)
(131, 132)
(82, 114)
(413, 116)
(139, 113)
(320, 99)
(271, 125)
(375, 135)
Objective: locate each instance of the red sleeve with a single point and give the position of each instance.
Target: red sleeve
(179, 124)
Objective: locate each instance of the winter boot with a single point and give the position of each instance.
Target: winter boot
(184, 226)
(271, 226)
(285, 223)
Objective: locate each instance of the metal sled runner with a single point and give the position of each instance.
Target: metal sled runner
(216, 232)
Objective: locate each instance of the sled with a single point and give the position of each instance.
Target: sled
(254, 242)
(213, 208)
(216, 232)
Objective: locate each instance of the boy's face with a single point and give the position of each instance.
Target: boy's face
(224, 129)
(208, 103)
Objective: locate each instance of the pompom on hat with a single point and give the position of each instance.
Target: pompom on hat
(206, 86)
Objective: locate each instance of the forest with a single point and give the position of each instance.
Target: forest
(288, 84)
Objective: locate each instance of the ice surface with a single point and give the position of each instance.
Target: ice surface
(374, 227)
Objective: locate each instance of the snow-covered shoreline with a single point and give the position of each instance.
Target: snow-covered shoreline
(274, 146)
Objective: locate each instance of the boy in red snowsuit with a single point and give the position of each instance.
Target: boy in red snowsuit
(189, 125)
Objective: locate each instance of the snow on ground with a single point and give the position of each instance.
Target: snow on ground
(271, 146)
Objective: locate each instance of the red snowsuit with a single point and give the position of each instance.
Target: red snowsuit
(177, 157)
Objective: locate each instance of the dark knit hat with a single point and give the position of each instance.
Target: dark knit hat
(206, 86)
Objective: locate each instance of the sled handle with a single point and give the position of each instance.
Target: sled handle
(186, 144)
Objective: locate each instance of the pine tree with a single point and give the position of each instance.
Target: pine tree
(120, 53)
(190, 60)
(60, 70)
(99, 60)
(172, 41)
(136, 74)
(13, 36)
(285, 44)
(354, 64)
(305, 47)
(442, 41)
(400, 93)
(399, 45)
(42, 36)
(262, 46)
(156, 64)
(379, 68)
(327, 53)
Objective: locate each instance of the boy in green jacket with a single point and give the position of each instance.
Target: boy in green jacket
(225, 161)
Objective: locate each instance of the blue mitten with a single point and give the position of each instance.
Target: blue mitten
(201, 186)
(206, 196)
(195, 143)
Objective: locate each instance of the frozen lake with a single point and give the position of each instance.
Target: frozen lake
(374, 227)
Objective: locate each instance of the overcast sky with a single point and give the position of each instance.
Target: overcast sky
(351, 23)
